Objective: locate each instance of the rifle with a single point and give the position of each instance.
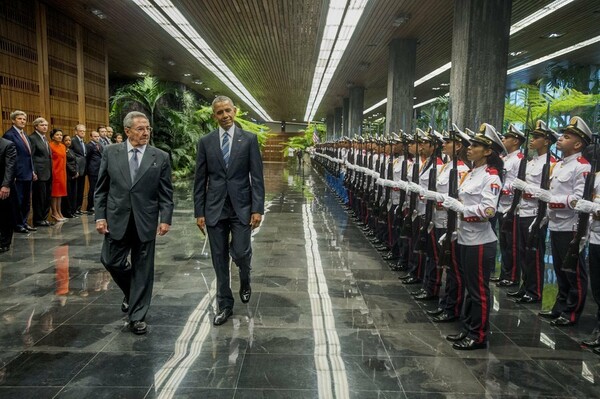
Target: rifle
(445, 259)
(421, 244)
(508, 220)
(578, 242)
(403, 177)
(540, 217)
(389, 175)
(412, 207)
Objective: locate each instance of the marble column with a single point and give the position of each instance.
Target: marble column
(337, 122)
(401, 85)
(345, 115)
(357, 106)
(329, 126)
(479, 61)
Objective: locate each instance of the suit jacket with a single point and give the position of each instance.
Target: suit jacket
(41, 156)
(24, 166)
(149, 197)
(242, 181)
(79, 153)
(93, 157)
(8, 161)
(71, 163)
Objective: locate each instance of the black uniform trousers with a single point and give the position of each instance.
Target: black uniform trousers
(69, 204)
(433, 272)
(594, 265)
(135, 279)
(454, 291)
(240, 249)
(572, 284)
(510, 269)
(92, 179)
(7, 221)
(80, 188)
(22, 205)
(40, 200)
(415, 259)
(477, 264)
(531, 259)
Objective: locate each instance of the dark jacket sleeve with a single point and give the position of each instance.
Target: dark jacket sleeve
(200, 181)
(71, 163)
(10, 164)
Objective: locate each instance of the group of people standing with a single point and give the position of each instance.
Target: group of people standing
(44, 174)
(440, 203)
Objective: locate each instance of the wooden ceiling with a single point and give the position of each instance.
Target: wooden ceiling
(272, 45)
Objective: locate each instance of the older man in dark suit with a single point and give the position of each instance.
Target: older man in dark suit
(133, 193)
(24, 173)
(229, 196)
(42, 166)
(8, 160)
(80, 151)
(93, 159)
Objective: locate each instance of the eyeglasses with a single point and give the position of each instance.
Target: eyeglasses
(142, 129)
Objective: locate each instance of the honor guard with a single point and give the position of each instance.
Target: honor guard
(510, 272)
(476, 204)
(531, 226)
(566, 188)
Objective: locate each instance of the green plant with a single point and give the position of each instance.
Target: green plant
(570, 76)
(434, 115)
(307, 138)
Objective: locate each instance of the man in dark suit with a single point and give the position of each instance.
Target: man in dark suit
(229, 196)
(42, 166)
(8, 160)
(103, 139)
(94, 156)
(24, 173)
(133, 192)
(78, 147)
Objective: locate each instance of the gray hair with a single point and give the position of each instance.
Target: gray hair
(128, 120)
(221, 99)
(14, 114)
(38, 121)
(81, 125)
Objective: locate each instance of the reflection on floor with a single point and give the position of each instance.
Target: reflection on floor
(326, 319)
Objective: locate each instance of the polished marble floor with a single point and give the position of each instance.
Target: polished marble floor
(327, 319)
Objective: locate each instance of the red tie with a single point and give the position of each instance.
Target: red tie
(25, 141)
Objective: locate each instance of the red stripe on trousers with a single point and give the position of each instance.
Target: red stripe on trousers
(459, 284)
(484, 302)
(514, 251)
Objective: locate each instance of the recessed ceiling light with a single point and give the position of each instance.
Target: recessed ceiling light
(436, 88)
(207, 88)
(553, 35)
(187, 75)
(517, 53)
(414, 98)
(171, 62)
(198, 82)
(401, 20)
(98, 13)
(444, 84)
(294, 119)
(141, 73)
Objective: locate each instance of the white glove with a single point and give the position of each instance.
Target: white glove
(453, 204)
(584, 206)
(402, 185)
(415, 188)
(434, 196)
(542, 194)
(519, 184)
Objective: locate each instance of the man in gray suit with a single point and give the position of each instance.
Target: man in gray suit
(229, 196)
(42, 167)
(133, 193)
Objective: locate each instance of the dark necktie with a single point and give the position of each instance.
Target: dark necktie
(225, 149)
(133, 164)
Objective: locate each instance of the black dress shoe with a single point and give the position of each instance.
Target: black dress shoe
(469, 344)
(596, 351)
(456, 337)
(78, 212)
(548, 314)
(495, 279)
(125, 305)
(30, 228)
(444, 318)
(425, 297)
(21, 229)
(43, 223)
(411, 280)
(562, 322)
(245, 293)
(515, 294)
(405, 277)
(506, 283)
(138, 327)
(390, 256)
(4, 249)
(435, 312)
(418, 292)
(527, 299)
(222, 316)
(593, 341)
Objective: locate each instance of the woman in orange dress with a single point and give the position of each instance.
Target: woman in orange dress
(59, 174)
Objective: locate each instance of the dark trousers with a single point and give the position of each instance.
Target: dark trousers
(92, 179)
(433, 272)
(79, 197)
(40, 200)
(572, 284)
(477, 262)
(135, 279)
(416, 259)
(531, 259)
(594, 264)
(454, 292)
(7, 222)
(510, 269)
(221, 248)
(22, 205)
(69, 203)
